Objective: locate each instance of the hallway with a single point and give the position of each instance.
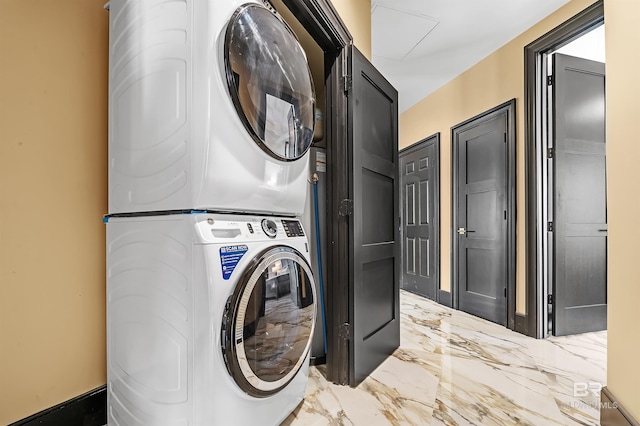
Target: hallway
(456, 369)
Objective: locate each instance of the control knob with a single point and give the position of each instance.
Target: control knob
(270, 228)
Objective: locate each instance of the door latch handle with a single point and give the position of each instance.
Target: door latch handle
(463, 231)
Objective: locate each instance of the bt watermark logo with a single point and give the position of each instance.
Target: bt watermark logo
(583, 389)
(587, 389)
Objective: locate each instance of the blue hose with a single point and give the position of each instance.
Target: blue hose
(319, 250)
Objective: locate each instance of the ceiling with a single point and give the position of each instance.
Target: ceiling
(420, 45)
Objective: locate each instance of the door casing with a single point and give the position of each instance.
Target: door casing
(323, 23)
(532, 322)
(509, 108)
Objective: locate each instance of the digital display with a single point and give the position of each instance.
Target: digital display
(293, 228)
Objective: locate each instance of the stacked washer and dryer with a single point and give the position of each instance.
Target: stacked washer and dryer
(211, 302)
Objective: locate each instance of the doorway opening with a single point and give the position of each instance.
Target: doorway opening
(574, 186)
(317, 165)
(566, 179)
(361, 136)
(325, 40)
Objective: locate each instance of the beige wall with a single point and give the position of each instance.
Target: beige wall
(623, 152)
(53, 193)
(494, 80)
(356, 14)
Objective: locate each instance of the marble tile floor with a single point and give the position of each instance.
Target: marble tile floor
(456, 369)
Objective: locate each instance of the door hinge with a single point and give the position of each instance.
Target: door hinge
(550, 80)
(344, 331)
(550, 226)
(550, 152)
(505, 138)
(347, 83)
(346, 207)
(505, 292)
(550, 299)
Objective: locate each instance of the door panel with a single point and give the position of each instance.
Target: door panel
(374, 291)
(425, 265)
(481, 218)
(410, 256)
(482, 266)
(579, 196)
(484, 211)
(419, 183)
(376, 295)
(378, 205)
(584, 194)
(423, 204)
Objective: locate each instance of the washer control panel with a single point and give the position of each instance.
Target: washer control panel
(293, 228)
(231, 229)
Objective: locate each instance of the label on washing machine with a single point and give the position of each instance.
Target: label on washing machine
(229, 258)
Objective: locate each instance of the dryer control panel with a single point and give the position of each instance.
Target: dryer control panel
(293, 228)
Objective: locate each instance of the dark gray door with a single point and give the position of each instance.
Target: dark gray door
(580, 196)
(374, 289)
(482, 212)
(420, 210)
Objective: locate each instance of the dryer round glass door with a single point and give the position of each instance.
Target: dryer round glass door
(270, 82)
(268, 322)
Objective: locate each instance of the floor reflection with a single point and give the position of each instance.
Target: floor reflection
(456, 369)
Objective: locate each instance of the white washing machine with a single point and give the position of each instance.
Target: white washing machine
(211, 107)
(209, 319)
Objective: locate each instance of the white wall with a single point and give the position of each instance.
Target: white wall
(589, 46)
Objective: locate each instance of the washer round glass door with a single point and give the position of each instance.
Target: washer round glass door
(270, 82)
(268, 322)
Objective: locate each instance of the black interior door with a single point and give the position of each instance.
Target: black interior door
(419, 204)
(482, 251)
(374, 288)
(580, 196)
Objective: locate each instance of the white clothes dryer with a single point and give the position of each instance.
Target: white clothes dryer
(211, 107)
(209, 319)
